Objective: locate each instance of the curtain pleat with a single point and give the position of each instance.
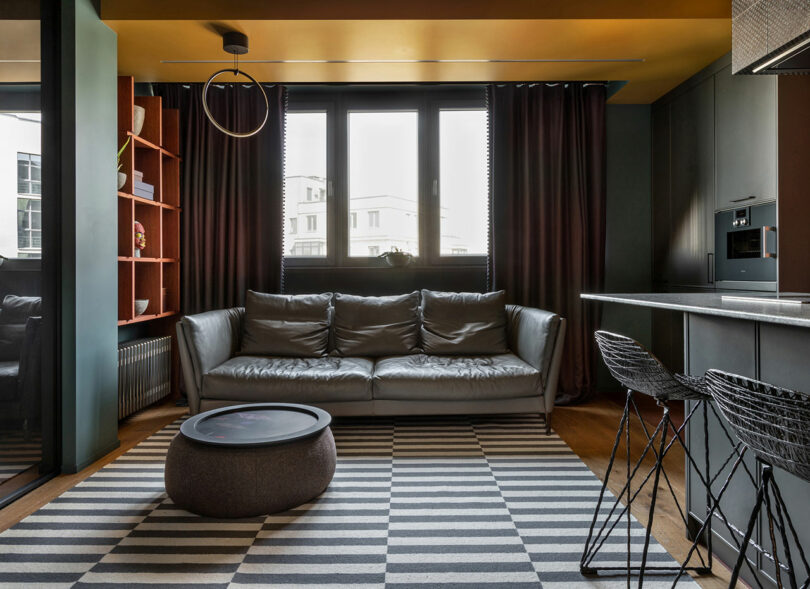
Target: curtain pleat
(231, 193)
(548, 210)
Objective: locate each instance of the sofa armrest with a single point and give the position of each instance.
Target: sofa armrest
(536, 336)
(205, 341)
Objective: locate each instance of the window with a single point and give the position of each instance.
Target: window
(29, 227)
(384, 176)
(309, 248)
(464, 182)
(305, 176)
(368, 169)
(29, 205)
(29, 173)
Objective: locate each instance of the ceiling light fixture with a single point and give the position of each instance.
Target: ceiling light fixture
(388, 61)
(237, 44)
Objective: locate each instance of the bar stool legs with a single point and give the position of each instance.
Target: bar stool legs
(658, 444)
(768, 487)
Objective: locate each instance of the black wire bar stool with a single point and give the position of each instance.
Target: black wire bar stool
(641, 372)
(773, 423)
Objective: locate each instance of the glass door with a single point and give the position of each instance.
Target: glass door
(27, 227)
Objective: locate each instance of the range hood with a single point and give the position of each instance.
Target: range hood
(771, 37)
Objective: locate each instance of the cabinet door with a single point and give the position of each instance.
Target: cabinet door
(692, 186)
(729, 345)
(660, 192)
(746, 114)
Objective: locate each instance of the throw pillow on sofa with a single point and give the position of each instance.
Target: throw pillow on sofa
(295, 326)
(376, 326)
(464, 323)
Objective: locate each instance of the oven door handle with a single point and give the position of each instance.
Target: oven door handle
(768, 249)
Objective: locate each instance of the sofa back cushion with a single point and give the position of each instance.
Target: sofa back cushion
(464, 323)
(295, 326)
(376, 326)
(14, 314)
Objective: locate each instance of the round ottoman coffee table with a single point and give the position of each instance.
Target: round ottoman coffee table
(250, 460)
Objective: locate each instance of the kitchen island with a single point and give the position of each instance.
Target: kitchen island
(767, 341)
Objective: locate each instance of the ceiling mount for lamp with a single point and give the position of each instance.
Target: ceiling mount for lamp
(236, 44)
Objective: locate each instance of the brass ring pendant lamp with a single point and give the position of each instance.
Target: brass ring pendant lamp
(237, 44)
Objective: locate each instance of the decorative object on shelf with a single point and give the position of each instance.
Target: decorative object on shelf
(122, 177)
(140, 306)
(236, 44)
(396, 258)
(140, 239)
(138, 117)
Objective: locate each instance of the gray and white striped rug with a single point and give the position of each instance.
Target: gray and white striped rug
(457, 502)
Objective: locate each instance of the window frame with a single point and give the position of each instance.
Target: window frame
(427, 102)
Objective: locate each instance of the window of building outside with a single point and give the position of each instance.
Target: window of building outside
(304, 173)
(387, 192)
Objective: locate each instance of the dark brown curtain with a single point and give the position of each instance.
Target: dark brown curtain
(231, 193)
(548, 210)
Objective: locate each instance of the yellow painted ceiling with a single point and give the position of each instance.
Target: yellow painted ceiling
(674, 39)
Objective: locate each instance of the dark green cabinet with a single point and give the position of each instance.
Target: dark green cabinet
(773, 353)
(745, 123)
(683, 187)
(692, 186)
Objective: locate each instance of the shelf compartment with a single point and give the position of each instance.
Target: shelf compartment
(126, 280)
(149, 216)
(148, 161)
(170, 190)
(171, 231)
(153, 121)
(171, 284)
(125, 219)
(147, 286)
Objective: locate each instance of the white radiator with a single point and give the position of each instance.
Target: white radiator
(144, 373)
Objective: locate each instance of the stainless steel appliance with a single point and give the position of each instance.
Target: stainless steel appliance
(745, 248)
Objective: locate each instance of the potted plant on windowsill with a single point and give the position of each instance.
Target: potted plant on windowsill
(396, 258)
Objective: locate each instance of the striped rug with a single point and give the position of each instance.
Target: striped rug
(453, 503)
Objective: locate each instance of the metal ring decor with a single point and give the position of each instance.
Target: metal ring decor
(236, 71)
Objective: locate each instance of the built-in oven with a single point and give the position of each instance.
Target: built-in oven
(745, 248)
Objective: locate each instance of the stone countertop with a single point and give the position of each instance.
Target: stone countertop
(713, 304)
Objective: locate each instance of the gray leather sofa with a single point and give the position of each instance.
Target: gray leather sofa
(416, 354)
(20, 359)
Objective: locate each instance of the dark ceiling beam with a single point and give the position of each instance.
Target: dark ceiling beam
(412, 9)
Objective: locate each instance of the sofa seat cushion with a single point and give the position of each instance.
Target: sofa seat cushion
(454, 378)
(8, 380)
(259, 379)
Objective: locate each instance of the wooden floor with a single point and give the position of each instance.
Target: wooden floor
(588, 429)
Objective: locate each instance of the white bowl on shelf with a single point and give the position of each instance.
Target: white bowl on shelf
(140, 306)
